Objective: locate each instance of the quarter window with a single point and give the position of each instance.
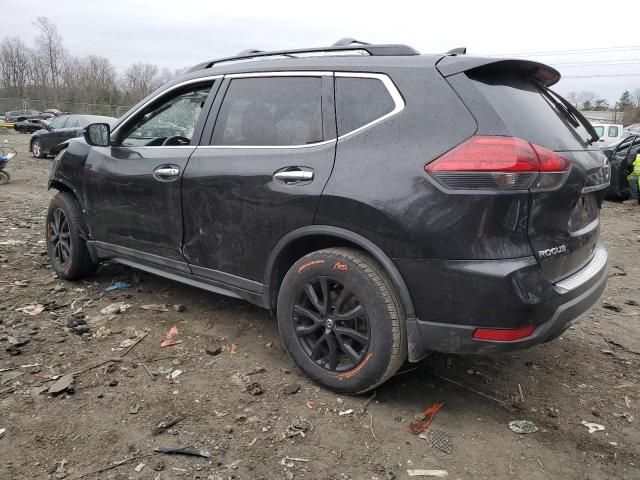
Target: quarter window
(360, 101)
(276, 111)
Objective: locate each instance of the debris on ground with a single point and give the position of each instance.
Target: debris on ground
(139, 467)
(117, 286)
(424, 419)
(342, 413)
(31, 309)
(428, 473)
(523, 426)
(179, 307)
(61, 385)
(164, 426)
(288, 461)
(254, 388)
(291, 389)
(438, 439)
(78, 324)
(593, 427)
(115, 308)
(156, 307)
(611, 306)
(2, 432)
(183, 451)
(213, 350)
(172, 338)
(626, 415)
(299, 427)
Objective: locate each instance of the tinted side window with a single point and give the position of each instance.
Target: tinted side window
(360, 101)
(276, 111)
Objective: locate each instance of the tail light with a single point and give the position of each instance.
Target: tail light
(502, 163)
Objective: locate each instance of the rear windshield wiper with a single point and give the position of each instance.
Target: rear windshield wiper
(572, 113)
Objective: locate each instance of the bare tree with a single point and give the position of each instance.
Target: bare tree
(585, 99)
(15, 65)
(573, 98)
(49, 43)
(139, 80)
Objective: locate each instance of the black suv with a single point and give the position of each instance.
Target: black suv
(386, 203)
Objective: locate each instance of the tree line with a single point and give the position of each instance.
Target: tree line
(628, 105)
(47, 71)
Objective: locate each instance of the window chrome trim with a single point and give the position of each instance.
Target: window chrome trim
(283, 73)
(170, 89)
(396, 96)
(597, 263)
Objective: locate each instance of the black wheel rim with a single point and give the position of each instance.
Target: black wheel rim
(60, 237)
(331, 324)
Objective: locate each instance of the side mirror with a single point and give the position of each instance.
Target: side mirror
(97, 134)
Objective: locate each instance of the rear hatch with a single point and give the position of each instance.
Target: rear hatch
(563, 225)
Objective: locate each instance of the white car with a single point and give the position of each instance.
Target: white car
(608, 133)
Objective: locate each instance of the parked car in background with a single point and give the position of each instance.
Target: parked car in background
(54, 111)
(320, 183)
(21, 115)
(61, 129)
(632, 129)
(30, 126)
(621, 156)
(608, 133)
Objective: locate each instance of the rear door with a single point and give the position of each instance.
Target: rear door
(563, 226)
(264, 162)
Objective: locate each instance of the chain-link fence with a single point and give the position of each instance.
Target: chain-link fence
(9, 104)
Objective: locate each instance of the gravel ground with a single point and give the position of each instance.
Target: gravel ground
(293, 428)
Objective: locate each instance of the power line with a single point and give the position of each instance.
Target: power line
(624, 48)
(629, 61)
(603, 76)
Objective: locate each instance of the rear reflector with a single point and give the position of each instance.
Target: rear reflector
(499, 163)
(503, 334)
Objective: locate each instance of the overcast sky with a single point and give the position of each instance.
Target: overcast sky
(177, 34)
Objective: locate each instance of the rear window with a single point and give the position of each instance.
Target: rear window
(360, 101)
(529, 113)
(599, 130)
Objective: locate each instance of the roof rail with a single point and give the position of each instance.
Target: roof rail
(457, 51)
(345, 46)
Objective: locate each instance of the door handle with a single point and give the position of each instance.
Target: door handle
(166, 173)
(293, 175)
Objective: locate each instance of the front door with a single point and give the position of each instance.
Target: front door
(259, 172)
(132, 189)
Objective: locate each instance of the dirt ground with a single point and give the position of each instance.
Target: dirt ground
(589, 374)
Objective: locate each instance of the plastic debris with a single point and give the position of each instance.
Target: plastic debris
(345, 412)
(173, 375)
(155, 307)
(171, 338)
(139, 467)
(300, 427)
(626, 415)
(183, 451)
(438, 439)
(523, 426)
(428, 473)
(2, 432)
(118, 286)
(115, 308)
(593, 427)
(427, 416)
(31, 309)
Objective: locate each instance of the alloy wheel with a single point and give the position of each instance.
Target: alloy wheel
(36, 148)
(60, 236)
(331, 324)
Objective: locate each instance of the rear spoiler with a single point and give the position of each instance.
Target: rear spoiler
(540, 72)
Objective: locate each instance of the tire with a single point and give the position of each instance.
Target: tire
(4, 177)
(36, 149)
(66, 245)
(366, 327)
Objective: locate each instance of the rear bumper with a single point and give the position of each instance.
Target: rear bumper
(457, 297)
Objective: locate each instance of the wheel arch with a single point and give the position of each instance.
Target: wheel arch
(305, 240)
